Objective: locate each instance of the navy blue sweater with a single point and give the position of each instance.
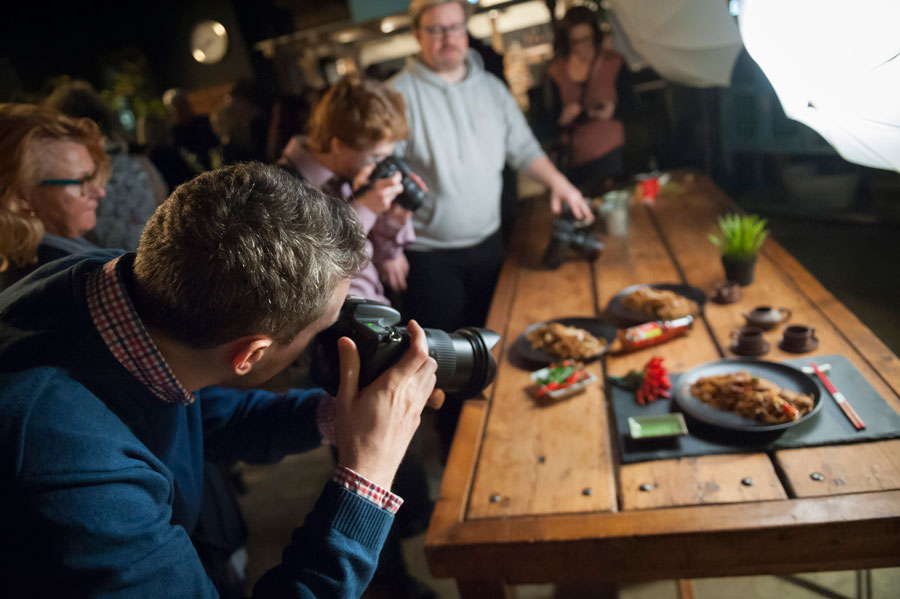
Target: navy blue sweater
(101, 480)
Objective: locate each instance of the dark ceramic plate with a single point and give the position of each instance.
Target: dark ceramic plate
(786, 377)
(596, 327)
(617, 311)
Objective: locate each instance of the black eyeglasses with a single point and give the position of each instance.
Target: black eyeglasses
(449, 30)
(83, 184)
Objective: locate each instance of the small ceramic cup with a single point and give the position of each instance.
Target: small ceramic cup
(749, 341)
(727, 292)
(799, 339)
(767, 317)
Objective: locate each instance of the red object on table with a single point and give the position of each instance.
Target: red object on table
(649, 189)
(839, 398)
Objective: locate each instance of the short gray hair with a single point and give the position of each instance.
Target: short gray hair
(246, 249)
(417, 7)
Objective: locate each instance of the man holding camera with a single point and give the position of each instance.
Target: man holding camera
(351, 139)
(465, 126)
(119, 372)
(352, 130)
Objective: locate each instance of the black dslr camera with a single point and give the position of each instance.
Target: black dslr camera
(465, 363)
(568, 233)
(412, 195)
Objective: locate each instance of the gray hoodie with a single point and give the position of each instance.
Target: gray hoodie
(460, 137)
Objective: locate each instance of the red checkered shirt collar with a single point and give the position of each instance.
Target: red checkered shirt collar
(123, 332)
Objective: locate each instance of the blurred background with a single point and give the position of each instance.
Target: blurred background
(258, 65)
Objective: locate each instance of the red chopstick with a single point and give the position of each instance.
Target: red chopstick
(839, 398)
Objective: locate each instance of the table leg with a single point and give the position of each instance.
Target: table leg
(685, 588)
(484, 588)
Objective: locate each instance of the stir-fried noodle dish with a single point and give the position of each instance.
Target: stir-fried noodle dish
(661, 303)
(565, 342)
(752, 397)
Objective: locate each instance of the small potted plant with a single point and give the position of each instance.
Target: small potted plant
(740, 238)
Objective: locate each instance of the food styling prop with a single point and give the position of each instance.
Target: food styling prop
(618, 311)
(657, 427)
(799, 339)
(749, 341)
(561, 380)
(538, 357)
(786, 377)
(649, 384)
(740, 237)
(839, 398)
(726, 292)
(653, 333)
(767, 317)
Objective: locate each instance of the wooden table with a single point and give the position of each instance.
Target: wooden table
(537, 494)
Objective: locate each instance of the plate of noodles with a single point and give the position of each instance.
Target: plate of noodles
(748, 395)
(657, 301)
(577, 338)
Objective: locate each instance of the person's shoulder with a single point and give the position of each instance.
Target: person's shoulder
(613, 57)
(557, 67)
(404, 80)
(52, 423)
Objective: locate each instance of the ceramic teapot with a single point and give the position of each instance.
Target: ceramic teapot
(767, 317)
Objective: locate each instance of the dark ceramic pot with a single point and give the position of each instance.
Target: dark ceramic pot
(739, 271)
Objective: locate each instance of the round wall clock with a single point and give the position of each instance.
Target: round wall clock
(209, 42)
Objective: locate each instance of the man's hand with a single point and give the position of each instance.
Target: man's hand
(563, 191)
(569, 113)
(394, 271)
(382, 192)
(374, 426)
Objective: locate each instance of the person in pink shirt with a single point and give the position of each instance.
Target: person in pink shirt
(353, 127)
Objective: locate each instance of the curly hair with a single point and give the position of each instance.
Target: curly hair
(359, 112)
(246, 249)
(22, 128)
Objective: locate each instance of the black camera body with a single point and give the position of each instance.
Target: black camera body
(465, 363)
(568, 234)
(412, 195)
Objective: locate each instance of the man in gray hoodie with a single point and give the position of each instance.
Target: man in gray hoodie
(465, 125)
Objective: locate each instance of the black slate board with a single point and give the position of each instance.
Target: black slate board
(829, 427)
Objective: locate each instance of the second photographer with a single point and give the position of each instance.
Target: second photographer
(352, 131)
(348, 154)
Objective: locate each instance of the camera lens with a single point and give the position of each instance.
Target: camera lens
(412, 196)
(465, 363)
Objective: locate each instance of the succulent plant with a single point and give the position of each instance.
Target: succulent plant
(741, 235)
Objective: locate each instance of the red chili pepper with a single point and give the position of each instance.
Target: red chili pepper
(654, 382)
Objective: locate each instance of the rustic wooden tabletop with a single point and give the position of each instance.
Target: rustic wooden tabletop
(536, 493)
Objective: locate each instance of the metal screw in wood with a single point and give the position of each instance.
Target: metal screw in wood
(747, 482)
(817, 476)
(645, 487)
(494, 498)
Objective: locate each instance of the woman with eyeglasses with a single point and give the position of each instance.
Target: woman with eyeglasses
(588, 79)
(135, 187)
(52, 175)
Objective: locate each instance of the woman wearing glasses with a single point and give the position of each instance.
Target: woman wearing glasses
(52, 175)
(590, 81)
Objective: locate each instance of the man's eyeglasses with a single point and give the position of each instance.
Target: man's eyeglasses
(454, 30)
(83, 184)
